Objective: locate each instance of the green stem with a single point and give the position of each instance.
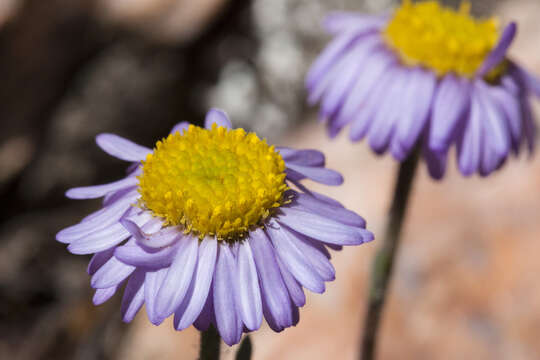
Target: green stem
(381, 270)
(210, 342)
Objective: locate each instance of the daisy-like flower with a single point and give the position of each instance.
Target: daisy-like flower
(426, 75)
(206, 227)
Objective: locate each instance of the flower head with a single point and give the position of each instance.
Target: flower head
(426, 76)
(206, 227)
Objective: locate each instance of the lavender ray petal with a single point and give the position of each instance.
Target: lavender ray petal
(134, 255)
(494, 123)
(366, 111)
(342, 215)
(315, 253)
(337, 22)
(102, 295)
(470, 144)
(420, 96)
(295, 261)
(207, 316)
(149, 237)
(451, 102)
(112, 273)
(92, 192)
(201, 282)
(302, 157)
(323, 229)
(105, 238)
(180, 127)
(98, 260)
(386, 118)
(509, 105)
(121, 148)
(320, 175)
(499, 52)
(378, 63)
(152, 283)
(133, 298)
(436, 163)
(106, 217)
(328, 56)
(274, 294)
(249, 299)
(318, 196)
(217, 116)
(181, 272)
(295, 289)
(224, 296)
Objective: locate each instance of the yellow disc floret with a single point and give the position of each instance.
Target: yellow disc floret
(213, 182)
(441, 38)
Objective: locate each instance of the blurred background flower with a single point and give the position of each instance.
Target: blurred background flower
(73, 68)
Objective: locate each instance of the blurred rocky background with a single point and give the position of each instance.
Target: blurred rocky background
(466, 283)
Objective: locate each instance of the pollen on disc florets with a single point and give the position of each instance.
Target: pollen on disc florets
(440, 38)
(213, 182)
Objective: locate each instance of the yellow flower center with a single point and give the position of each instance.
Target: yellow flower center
(441, 38)
(213, 182)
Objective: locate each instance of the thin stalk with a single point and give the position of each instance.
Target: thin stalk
(210, 342)
(381, 271)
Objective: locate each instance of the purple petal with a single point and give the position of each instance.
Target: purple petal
(98, 260)
(301, 157)
(249, 294)
(105, 238)
(104, 218)
(295, 289)
(136, 256)
(342, 215)
(112, 273)
(494, 123)
(315, 253)
(531, 82)
(378, 64)
(102, 295)
(152, 283)
(529, 124)
(328, 56)
(345, 74)
(179, 276)
(323, 229)
(217, 116)
(363, 119)
(419, 96)
(436, 163)
(509, 105)
(337, 22)
(133, 298)
(318, 196)
(385, 119)
(451, 102)
(92, 192)
(207, 316)
(471, 141)
(275, 297)
(224, 296)
(320, 175)
(150, 239)
(180, 127)
(121, 148)
(498, 54)
(196, 298)
(295, 261)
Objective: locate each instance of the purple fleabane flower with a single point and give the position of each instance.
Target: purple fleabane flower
(427, 76)
(206, 228)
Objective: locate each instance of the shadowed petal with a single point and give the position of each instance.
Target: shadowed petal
(133, 298)
(217, 116)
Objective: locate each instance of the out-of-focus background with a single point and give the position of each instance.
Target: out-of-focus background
(466, 284)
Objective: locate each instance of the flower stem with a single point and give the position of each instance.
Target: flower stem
(381, 270)
(244, 352)
(210, 342)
